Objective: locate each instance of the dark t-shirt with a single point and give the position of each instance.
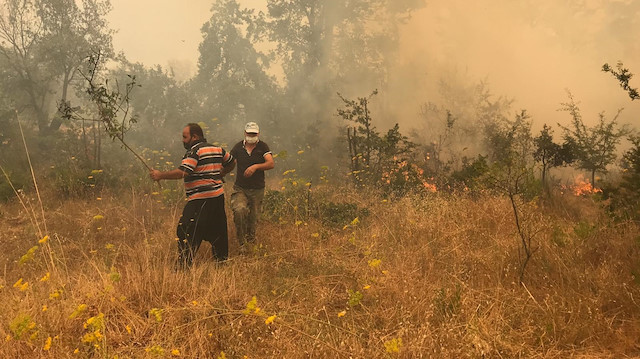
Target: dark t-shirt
(245, 160)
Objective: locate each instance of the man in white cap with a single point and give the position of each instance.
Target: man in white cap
(253, 158)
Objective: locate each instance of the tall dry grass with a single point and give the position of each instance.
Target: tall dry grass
(433, 277)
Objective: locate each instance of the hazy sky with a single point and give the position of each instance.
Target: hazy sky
(531, 50)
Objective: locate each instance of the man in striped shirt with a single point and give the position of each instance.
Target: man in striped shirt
(203, 218)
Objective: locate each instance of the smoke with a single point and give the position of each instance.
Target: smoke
(448, 54)
(531, 51)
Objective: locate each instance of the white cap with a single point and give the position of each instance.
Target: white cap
(251, 127)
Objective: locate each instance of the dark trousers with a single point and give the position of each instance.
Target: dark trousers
(202, 219)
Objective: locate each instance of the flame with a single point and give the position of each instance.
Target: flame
(429, 186)
(582, 187)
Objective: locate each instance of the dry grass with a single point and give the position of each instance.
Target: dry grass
(433, 277)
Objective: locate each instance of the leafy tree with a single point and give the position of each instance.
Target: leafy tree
(594, 147)
(110, 107)
(631, 176)
(363, 138)
(324, 43)
(627, 197)
(511, 173)
(231, 81)
(371, 154)
(42, 45)
(159, 101)
(550, 154)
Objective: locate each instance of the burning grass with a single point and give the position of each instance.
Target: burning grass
(433, 276)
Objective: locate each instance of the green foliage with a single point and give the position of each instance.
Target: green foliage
(550, 154)
(337, 215)
(584, 230)
(558, 237)
(511, 174)
(594, 147)
(623, 76)
(510, 152)
(472, 172)
(447, 303)
(44, 44)
(111, 106)
(11, 161)
(355, 297)
(295, 201)
(375, 160)
(624, 197)
(232, 83)
(22, 324)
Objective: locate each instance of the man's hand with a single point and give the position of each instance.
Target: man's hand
(250, 171)
(155, 175)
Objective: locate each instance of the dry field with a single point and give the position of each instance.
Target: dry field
(418, 277)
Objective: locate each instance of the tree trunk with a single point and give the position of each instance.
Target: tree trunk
(57, 119)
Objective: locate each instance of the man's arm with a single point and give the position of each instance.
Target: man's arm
(228, 168)
(173, 174)
(267, 165)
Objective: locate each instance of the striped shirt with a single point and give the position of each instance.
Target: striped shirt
(203, 165)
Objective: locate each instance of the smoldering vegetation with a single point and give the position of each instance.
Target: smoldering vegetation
(427, 201)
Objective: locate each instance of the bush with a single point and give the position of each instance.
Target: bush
(302, 204)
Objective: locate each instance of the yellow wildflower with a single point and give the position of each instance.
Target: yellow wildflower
(155, 350)
(373, 263)
(252, 306)
(393, 345)
(269, 320)
(29, 255)
(79, 310)
(298, 223)
(98, 217)
(76, 351)
(47, 344)
(366, 287)
(45, 277)
(22, 286)
(44, 240)
(342, 313)
(156, 313)
(128, 329)
(175, 353)
(55, 294)
(222, 356)
(315, 235)
(194, 303)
